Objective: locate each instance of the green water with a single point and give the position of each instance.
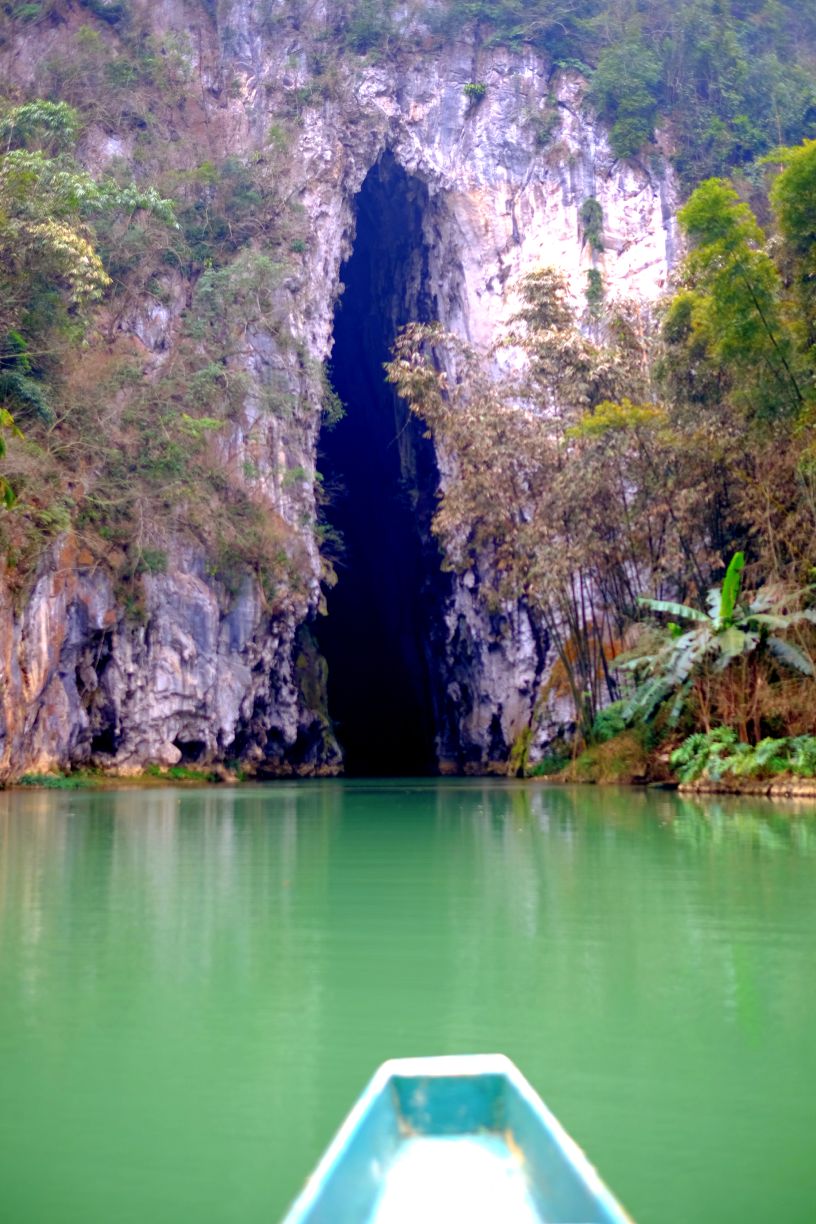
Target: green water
(195, 985)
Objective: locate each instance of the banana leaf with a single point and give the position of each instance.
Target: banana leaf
(791, 655)
(732, 643)
(783, 620)
(673, 609)
(731, 586)
(678, 703)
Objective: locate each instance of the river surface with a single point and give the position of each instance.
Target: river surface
(196, 984)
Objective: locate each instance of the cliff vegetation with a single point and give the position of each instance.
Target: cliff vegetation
(155, 394)
(639, 465)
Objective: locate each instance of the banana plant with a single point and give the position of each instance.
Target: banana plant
(730, 629)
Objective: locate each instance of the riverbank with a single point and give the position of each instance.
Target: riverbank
(769, 788)
(217, 774)
(153, 776)
(628, 759)
(604, 765)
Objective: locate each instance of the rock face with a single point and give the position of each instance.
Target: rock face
(202, 674)
(194, 682)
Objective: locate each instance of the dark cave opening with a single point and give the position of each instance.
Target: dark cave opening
(384, 615)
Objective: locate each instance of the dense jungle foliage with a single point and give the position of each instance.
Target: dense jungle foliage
(638, 456)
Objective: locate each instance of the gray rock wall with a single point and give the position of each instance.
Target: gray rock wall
(210, 676)
(201, 677)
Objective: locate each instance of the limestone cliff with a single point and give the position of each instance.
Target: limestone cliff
(210, 671)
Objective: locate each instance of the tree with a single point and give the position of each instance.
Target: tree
(733, 301)
(793, 196)
(625, 91)
(51, 272)
(530, 498)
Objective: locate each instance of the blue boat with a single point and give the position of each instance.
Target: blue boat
(453, 1140)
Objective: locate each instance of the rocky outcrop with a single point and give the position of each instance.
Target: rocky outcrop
(198, 676)
(204, 674)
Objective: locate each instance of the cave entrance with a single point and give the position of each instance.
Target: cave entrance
(384, 614)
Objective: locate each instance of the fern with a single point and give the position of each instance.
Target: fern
(719, 753)
(701, 752)
(803, 755)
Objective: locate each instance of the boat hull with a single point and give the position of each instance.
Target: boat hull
(460, 1138)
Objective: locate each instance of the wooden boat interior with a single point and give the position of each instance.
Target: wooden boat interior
(449, 1139)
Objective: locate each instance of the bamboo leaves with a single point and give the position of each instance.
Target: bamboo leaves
(735, 300)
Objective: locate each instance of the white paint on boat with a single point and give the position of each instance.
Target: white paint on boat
(439, 1179)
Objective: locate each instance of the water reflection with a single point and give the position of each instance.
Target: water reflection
(233, 963)
(757, 823)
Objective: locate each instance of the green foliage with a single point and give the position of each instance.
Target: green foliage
(793, 196)
(594, 292)
(625, 90)
(332, 407)
(553, 24)
(153, 561)
(552, 763)
(229, 203)
(42, 124)
(719, 753)
(55, 781)
(590, 215)
(609, 722)
(368, 26)
(545, 122)
(51, 273)
(294, 476)
(736, 365)
(623, 417)
(122, 459)
(7, 429)
(233, 296)
(734, 301)
(518, 763)
(278, 137)
(736, 83)
(178, 773)
(47, 205)
(23, 395)
(27, 12)
(621, 760)
(131, 82)
(474, 91)
(702, 751)
(727, 606)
